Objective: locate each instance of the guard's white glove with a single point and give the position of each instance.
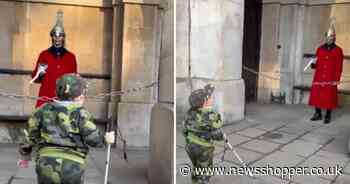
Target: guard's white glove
(110, 137)
(42, 68)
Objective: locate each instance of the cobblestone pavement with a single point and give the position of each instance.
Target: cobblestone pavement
(281, 136)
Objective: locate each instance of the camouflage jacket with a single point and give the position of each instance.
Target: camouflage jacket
(202, 126)
(66, 126)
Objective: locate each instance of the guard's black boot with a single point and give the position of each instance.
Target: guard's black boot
(327, 118)
(317, 115)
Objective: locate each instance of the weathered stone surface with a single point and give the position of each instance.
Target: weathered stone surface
(251, 132)
(161, 165)
(166, 65)
(301, 148)
(216, 52)
(261, 146)
(279, 137)
(134, 122)
(140, 60)
(237, 139)
(183, 91)
(182, 38)
(279, 159)
(210, 51)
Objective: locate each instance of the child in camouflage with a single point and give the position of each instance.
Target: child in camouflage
(202, 126)
(62, 132)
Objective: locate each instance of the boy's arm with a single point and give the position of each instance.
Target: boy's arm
(31, 137)
(91, 135)
(216, 132)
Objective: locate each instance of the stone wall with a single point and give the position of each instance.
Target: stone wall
(298, 27)
(209, 50)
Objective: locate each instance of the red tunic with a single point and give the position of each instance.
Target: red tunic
(329, 66)
(57, 66)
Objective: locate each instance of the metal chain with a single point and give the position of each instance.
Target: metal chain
(332, 83)
(97, 96)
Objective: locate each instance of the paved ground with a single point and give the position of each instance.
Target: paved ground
(281, 136)
(133, 172)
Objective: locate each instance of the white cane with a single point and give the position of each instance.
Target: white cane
(236, 154)
(107, 163)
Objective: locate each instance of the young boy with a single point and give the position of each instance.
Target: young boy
(62, 131)
(202, 125)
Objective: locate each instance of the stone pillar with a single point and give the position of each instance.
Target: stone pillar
(209, 50)
(140, 66)
(160, 169)
(161, 166)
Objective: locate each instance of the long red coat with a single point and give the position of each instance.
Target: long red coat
(329, 66)
(57, 66)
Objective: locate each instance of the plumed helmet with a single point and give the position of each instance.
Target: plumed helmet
(331, 29)
(199, 96)
(70, 86)
(58, 29)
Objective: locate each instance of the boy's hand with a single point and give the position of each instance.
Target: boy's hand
(23, 163)
(110, 137)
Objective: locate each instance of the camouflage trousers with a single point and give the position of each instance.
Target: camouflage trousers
(51, 170)
(201, 157)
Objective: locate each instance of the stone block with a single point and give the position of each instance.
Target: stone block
(292, 130)
(181, 157)
(182, 39)
(166, 79)
(183, 91)
(316, 138)
(309, 179)
(279, 137)
(236, 139)
(252, 132)
(343, 179)
(326, 160)
(279, 159)
(140, 64)
(215, 51)
(270, 126)
(166, 65)
(238, 126)
(301, 148)
(261, 146)
(180, 139)
(134, 123)
(160, 169)
(246, 155)
(337, 146)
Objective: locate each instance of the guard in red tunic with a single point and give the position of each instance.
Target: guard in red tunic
(53, 63)
(328, 69)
